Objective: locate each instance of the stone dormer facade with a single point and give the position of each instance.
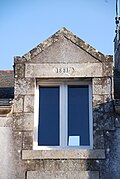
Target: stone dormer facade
(73, 137)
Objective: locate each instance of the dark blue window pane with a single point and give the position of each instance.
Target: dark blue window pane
(7, 92)
(78, 115)
(48, 129)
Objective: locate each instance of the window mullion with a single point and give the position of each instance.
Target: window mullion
(63, 115)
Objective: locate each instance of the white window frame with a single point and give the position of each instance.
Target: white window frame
(63, 114)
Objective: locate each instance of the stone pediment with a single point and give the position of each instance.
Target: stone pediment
(64, 47)
(65, 55)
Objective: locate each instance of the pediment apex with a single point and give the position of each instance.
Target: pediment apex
(65, 33)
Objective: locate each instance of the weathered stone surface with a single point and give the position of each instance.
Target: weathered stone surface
(23, 121)
(98, 140)
(110, 167)
(117, 106)
(103, 121)
(100, 89)
(67, 165)
(117, 120)
(97, 90)
(98, 99)
(6, 121)
(62, 51)
(63, 70)
(63, 175)
(63, 154)
(108, 69)
(24, 86)
(108, 107)
(18, 103)
(97, 81)
(107, 98)
(29, 103)
(19, 70)
(10, 166)
(27, 140)
(64, 34)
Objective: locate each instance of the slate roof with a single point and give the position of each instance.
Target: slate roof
(6, 87)
(6, 78)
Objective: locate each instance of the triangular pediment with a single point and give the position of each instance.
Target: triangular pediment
(64, 47)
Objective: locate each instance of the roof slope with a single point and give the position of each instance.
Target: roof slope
(6, 84)
(6, 78)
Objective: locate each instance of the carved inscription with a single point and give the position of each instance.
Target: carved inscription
(63, 70)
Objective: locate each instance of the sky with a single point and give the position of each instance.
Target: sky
(26, 23)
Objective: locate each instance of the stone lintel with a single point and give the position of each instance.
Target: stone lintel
(63, 70)
(63, 154)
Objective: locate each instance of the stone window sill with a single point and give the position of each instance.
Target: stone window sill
(63, 154)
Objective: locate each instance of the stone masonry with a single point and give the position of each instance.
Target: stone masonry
(64, 56)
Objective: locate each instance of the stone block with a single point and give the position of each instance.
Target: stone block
(117, 121)
(29, 103)
(108, 107)
(19, 70)
(18, 104)
(83, 175)
(24, 86)
(49, 165)
(103, 88)
(97, 89)
(63, 70)
(103, 121)
(66, 165)
(18, 137)
(97, 81)
(63, 175)
(27, 140)
(28, 121)
(98, 141)
(107, 98)
(108, 69)
(98, 99)
(6, 121)
(23, 121)
(106, 89)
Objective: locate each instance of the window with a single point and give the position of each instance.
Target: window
(64, 115)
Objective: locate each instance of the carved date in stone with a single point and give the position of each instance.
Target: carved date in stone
(63, 70)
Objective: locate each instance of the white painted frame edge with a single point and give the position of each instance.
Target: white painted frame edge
(63, 135)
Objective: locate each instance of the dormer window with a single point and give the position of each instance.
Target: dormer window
(64, 116)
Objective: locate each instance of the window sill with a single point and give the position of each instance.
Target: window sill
(63, 154)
